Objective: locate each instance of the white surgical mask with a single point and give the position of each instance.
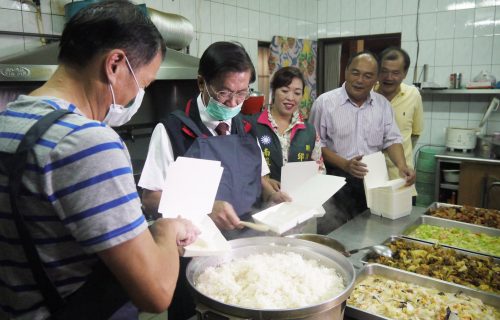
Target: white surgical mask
(119, 115)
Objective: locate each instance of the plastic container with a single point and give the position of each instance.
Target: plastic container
(424, 200)
(426, 159)
(392, 204)
(426, 177)
(452, 176)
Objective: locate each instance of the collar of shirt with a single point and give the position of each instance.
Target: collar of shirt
(207, 120)
(346, 100)
(296, 119)
(401, 90)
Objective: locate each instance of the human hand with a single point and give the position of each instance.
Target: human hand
(356, 168)
(184, 230)
(224, 216)
(275, 184)
(408, 174)
(279, 197)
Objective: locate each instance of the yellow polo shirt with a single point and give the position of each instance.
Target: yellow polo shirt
(409, 115)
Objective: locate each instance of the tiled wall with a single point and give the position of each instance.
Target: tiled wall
(454, 35)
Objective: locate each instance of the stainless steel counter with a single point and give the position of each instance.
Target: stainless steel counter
(463, 156)
(368, 229)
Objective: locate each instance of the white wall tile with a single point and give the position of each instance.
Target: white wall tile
(274, 26)
(425, 137)
(377, 26)
(484, 24)
(466, 73)
(409, 7)
(264, 5)
(254, 5)
(445, 25)
(438, 131)
(347, 28)
(362, 27)
(243, 22)
(444, 5)
(187, 9)
(496, 52)
(464, 55)
(333, 29)
(57, 24)
(428, 6)
(57, 6)
(171, 6)
(322, 11)
(482, 50)
(485, 3)
(334, 11)
(9, 4)
(409, 29)
(253, 24)
(230, 25)
(427, 26)
(218, 37)
(442, 75)
(464, 23)
(30, 23)
(322, 30)
(497, 19)
(394, 8)
(245, 3)
(444, 52)
(292, 27)
(393, 24)
(11, 20)
(283, 26)
(285, 8)
(217, 18)
(274, 7)
(265, 33)
(459, 107)
(204, 40)
(348, 10)
(362, 9)
(204, 21)
(464, 4)
(492, 126)
(231, 2)
(441, 107)
(311, 11)
(378, 8)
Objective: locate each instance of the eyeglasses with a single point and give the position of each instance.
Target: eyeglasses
(225, 95)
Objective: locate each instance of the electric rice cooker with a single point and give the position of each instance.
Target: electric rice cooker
(461, 138)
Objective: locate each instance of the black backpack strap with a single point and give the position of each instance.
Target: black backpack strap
(13, 165)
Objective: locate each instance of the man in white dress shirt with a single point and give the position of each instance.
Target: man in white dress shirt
(354, 121)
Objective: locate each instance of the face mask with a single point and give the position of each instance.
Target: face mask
(219, 111)
(119, 115)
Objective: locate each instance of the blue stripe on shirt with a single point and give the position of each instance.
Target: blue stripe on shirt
(10, 135)
(52, 103)
(114, 233)
(101, 208)
(80, 155)
(89, 182)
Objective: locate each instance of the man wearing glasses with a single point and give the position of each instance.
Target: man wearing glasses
(211, 127)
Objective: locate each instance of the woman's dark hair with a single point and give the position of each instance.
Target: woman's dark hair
(284, 76)
(108, 25)
(221, 57)
(394, 53)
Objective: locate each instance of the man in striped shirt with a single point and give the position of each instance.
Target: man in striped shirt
(354, 121)
(78, 195)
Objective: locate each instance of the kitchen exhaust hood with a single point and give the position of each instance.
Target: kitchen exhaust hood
(38, 65)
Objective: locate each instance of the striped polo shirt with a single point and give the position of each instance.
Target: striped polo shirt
(78, 197)
(349, 130)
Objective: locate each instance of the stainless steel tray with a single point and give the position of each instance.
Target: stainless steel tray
(401, 275)
(436, 205)
(365, 258)
(434, 221)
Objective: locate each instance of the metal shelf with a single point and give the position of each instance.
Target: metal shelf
(461, 91)
(449, 186)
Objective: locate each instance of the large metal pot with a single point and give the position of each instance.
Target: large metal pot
(330, 309)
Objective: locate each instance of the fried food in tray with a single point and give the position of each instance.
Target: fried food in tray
(396, 299)
(444, 264)
(485, 217)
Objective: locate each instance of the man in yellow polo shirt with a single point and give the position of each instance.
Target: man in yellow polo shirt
(405, 100)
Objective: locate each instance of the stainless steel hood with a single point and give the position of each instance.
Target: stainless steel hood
(38, 65)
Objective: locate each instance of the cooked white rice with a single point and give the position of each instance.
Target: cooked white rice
(270, 281)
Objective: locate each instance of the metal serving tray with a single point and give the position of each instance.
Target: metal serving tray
(365, 258)
(401, 275)
(434, 221)
(436, 205)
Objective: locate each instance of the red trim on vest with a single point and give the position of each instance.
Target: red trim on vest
(185, 129)
(247, 126)
(297, 126)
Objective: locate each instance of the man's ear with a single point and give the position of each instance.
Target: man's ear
(201, 83)
(113, 61)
